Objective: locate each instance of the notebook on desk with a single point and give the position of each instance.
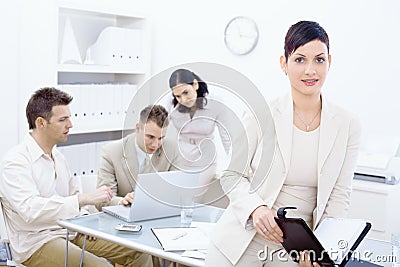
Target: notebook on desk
(158, 195)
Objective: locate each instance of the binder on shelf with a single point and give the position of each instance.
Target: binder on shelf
(82, 158)
(116, 46)
(108, 99)
(100, 91)
(90, 166)
(70, 155)
(75, 107)
(128, 92)
(92, 104)
(100, 107)
(85, 97)
(118, 106)
(333, 242)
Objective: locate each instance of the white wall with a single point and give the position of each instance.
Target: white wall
(364, 39)
(9, 75)
(23, 68)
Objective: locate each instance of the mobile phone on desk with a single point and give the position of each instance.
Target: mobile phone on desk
(129, 227)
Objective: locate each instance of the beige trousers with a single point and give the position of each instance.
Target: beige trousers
(260, 253)
(52, 254)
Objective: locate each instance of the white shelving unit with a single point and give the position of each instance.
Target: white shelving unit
(65, 68)
(101, 91)
(87, 23)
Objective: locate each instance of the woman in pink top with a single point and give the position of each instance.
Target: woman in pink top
(195, 118)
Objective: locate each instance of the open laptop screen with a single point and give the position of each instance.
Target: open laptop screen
(159, 195)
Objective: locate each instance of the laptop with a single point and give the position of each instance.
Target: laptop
(360, 263)
(158, 195)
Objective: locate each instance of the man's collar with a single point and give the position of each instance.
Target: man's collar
(141, 155)
(35, 150)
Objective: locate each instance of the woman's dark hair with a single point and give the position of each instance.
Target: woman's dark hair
(303, 32)
(184, 76)
(42, 102)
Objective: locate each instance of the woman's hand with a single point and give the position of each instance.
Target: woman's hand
(265, 224)
(305, 260)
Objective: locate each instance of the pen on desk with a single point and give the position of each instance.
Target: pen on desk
(180, 235)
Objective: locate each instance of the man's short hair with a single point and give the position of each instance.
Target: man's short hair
(42, 102)
(155, 113)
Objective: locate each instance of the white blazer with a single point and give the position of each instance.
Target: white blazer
(340, 134)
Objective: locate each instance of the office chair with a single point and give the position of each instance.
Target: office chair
(5, 240)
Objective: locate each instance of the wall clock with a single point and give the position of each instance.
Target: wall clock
(241, 35)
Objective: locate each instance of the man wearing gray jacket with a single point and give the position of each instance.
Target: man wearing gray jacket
(141, 152)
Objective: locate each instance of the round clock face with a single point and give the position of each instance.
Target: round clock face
(241, 35)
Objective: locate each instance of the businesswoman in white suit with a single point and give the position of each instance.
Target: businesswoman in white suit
(312, 169)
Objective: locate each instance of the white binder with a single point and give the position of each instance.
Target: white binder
(117, 46)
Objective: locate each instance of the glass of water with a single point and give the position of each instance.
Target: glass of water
(187, 216)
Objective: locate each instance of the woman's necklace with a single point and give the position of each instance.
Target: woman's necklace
(308, 125)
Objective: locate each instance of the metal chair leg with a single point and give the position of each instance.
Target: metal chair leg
(66, 249)
(83, 251)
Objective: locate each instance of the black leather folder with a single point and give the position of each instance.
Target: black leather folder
(297, 236)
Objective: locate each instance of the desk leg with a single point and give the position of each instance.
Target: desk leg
(66, 249)
(83, 251)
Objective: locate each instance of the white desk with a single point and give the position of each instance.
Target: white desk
(102, 225)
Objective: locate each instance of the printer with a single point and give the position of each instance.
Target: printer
(379, 168)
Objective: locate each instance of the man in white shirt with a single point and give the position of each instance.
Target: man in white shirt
(141, 152)
(37, 190)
